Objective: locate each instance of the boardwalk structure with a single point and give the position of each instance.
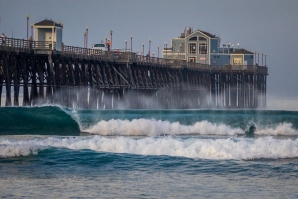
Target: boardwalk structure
(35, 72)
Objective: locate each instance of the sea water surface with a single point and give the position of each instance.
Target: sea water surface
(55, 152)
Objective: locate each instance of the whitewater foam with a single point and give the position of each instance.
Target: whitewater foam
(281, 129)
(147, 127)
(193, 147)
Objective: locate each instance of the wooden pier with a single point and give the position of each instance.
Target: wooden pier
(34, 73)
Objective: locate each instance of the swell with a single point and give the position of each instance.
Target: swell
(46, 120)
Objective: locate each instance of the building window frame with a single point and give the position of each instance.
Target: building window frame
(203, 48)
(192, 47)
(202, 38)
(237, 61)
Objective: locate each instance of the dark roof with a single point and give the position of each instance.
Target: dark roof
(48, 22)
(242, 51)
(208, 34)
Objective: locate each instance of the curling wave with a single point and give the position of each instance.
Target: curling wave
(43, 120)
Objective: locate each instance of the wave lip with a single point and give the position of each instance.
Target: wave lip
(146, 127)
(197, 148)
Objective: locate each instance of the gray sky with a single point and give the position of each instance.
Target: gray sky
(268, 26)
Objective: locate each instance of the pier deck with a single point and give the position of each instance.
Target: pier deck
(36, 73)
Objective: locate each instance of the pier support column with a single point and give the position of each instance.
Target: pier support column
(1, 84)
(41, 67)
(33, 93)
(233, 90)
(50, 80)
(7, 81)
(25, 81)
(15, 81)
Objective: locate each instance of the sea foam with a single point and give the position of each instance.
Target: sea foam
(147, 127)
(280, 129)
(192, 147)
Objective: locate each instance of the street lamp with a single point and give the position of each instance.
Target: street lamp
(149, 45)
(87, 36)
(32, 29)
(214, 57)
(125, 45)
(180, 49)
(229, 48)
(232, 47)
(130, 43)
(238, 45)
(255, 57)
(258, 58)
(85, 39)
(158, 51)
(166, 49)
(143, 49)
(111, 33)
(265, 60)
(27, 16)
(262, 58)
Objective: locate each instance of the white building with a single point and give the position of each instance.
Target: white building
(48, 33)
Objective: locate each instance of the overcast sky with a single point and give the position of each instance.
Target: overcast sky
(265, 26)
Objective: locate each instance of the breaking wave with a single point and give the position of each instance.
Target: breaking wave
(146, 127)
(43, 120)
(192, 147)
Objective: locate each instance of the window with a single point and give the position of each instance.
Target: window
(99, 45)
(202, 39)
(192, 48)
(193, 39)
(237, 61)
(203, 48)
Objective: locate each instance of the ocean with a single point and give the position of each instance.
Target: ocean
(56, 152)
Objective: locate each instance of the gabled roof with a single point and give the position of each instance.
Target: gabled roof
(208, 34)
(48, 22)
(203, 32)
(242, 51)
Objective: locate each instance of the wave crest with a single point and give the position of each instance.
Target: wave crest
(146, 127)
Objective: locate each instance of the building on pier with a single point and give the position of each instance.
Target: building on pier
(49, 33)
(204, 48)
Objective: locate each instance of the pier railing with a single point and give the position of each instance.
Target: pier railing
(117, 55)
(22, 45)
